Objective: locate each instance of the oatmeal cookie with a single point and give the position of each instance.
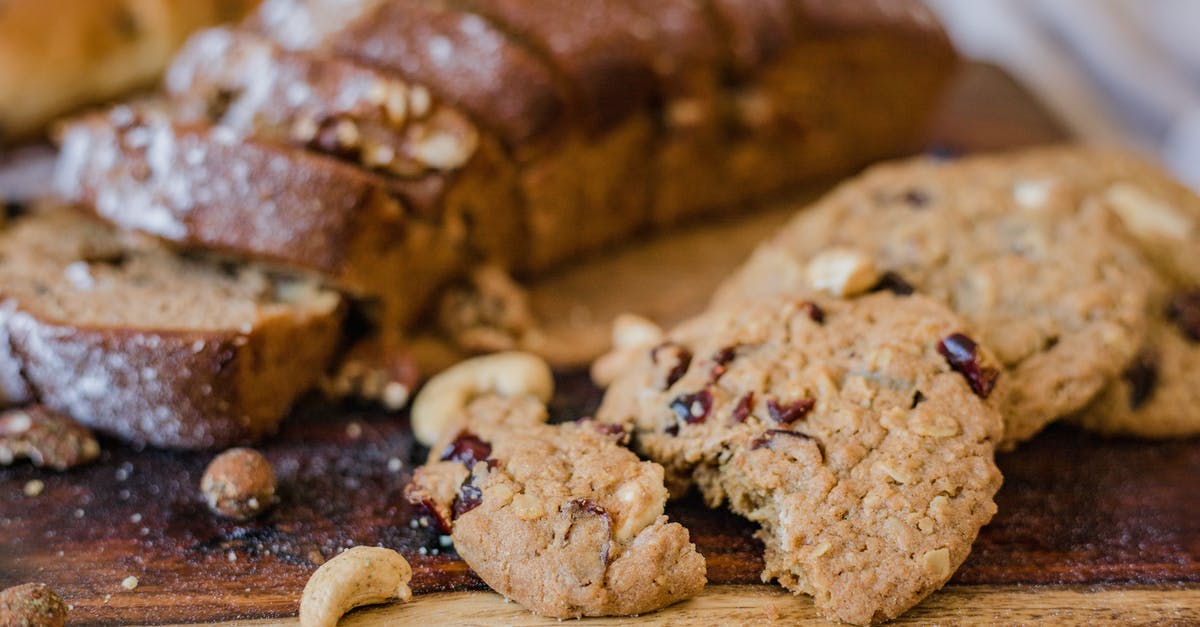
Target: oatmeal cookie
(560, 518)
(858, 433)
(1012, 243)
(1158, 394)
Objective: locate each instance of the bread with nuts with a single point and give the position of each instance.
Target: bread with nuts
(200, 187)
(584, 130)
(155, 348)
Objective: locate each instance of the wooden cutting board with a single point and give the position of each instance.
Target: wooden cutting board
(1102, 530)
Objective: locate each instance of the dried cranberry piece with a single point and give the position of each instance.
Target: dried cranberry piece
(579, 507)
(741, 411)
(962, 354)
(815, 313)
(693, 408)
(615, 432)
(917, 399)
(721, 361)
(916, 197)
(609, 429)
(683, 361)
(787, 414)
(1184, 310)
(589, 506)
(467, 449)
(770, 434)
(1142, 376)
(894, 283)
(469, 497)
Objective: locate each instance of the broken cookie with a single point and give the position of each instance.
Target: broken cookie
(560, 518)
(858, 433)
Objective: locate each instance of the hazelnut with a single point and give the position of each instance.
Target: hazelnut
(239, 484)
(32, 604)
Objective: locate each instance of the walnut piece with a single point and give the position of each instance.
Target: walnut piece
(45, 437)
(32, 604)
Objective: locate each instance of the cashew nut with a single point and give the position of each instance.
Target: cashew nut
(362, 575)
(444, 397)
(631, 334)
(842, 272)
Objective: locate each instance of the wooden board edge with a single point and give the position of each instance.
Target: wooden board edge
(768, 605)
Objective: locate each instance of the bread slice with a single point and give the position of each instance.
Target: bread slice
(431, 155)
(151, 347)
(204, 187)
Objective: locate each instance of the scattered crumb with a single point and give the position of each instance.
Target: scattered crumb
(445, 541)
(34, 487)
(231, 556)
(394, 464)
(107, 598)
(79, 513)
(136, 518)
(354, 431)
(129, 583)
(772, 612)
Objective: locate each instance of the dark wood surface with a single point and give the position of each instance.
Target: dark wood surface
(1074, 509)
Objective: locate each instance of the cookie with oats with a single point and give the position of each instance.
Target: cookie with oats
(858, 433)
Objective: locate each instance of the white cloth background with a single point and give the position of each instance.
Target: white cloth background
(1123, 72)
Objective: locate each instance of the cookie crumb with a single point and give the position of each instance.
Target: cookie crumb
(129, 583)
(34, 487)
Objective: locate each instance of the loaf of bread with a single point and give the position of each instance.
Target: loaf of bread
(387, 145)
(155, 348)
(59, 55)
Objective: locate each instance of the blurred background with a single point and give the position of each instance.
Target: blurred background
(1121, 72)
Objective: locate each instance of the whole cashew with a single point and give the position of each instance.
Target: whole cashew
(363, 575)
(445, 396)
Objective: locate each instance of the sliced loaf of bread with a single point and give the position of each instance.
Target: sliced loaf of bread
(149, 346)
